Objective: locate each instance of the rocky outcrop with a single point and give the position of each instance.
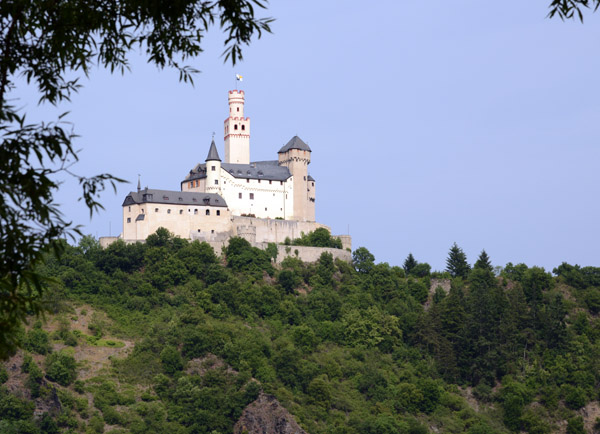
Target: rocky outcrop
(266, 416)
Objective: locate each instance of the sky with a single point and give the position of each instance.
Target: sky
(430, 123)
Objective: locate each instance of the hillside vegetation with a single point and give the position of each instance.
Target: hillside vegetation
(165, 337)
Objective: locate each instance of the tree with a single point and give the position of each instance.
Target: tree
(363, 260)
(50, 44)
(571, 8)
(409, 263)
(456, 263)
(483, 262)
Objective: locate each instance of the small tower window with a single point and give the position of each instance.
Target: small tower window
(270, 182)
(247, 180)
(243, 127)
(129, 209)
(235, 127)
(168, 211)
(180, 211)
(313, 184)
(213, 168)
(238, 109)
(207, 212)
(128, 219)
(239, 195)
(155, 209)
(252, 196)
(195, 211)
(218, 212)
(216, 182)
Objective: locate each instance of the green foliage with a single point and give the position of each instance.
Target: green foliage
(37, 341)
(347, 348)
(3, 375)
(456, 263)
(320, 237)
(409, 263)
(363, 260)
(61, 367)
(171, 360)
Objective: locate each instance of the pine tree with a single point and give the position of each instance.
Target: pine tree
(409, 263)
(483, 262)
(456, 264)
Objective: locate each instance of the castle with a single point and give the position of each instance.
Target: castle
(261, 201)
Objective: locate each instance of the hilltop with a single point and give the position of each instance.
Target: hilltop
(167, 337)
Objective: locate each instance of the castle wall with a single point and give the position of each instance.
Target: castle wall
(181, 220)
(273, 230)
(271, 199)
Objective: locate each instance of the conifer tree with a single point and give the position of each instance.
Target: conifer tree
(456, 264)
(409, 263)
(483, 262)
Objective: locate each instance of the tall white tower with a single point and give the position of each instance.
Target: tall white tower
(237, 130)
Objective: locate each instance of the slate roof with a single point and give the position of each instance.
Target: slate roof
(295, 143)
(212, 153)
(310, 178)
(174, 197)
(269, 170)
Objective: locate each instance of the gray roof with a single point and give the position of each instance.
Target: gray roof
(310, 178)
(295, 143)
(269, 170)
(212, 153)
(173, 197)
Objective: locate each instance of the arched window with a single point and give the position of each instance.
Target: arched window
(207, 212)
(238, 109)
(243, 127)
(235, 127)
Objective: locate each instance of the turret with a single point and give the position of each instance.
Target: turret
(295, 155)
(237, 130)
(213, 170)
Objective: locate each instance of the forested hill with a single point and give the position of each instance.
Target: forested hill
(164, 337)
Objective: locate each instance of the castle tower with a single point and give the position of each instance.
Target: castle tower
(237, 130)
(295, 155)
(213, 170)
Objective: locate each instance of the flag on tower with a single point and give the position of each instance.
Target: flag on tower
(238, 77)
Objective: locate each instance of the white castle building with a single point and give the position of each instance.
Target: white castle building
(262, 201)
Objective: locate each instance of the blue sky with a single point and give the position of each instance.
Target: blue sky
(430, 123)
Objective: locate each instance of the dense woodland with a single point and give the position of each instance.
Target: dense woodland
(346, 348)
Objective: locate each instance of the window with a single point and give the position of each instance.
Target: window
(207, 212)
(235, 127)
(247, 180)
(128, 219)
(129, 209)
(180, 211)
(216, 182)
(155, 209)
(218, 212)
(213, 168)
(198, 230)
(243, 127)
(280, 182)
(195, 211)
(142, 211)
(197, 183)
(251, 195)
(168, 211)
(212, 231)
(265, 209)
(238, 109)
(305, 178)
(259, 181)
(270, 182)
(239, 195)
(313, 184)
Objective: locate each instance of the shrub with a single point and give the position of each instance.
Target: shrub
(61, 367)
(37, 341)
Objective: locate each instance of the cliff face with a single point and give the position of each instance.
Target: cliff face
(266, 416)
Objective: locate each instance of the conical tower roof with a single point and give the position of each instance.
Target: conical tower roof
(295, 143)
(213, 155)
